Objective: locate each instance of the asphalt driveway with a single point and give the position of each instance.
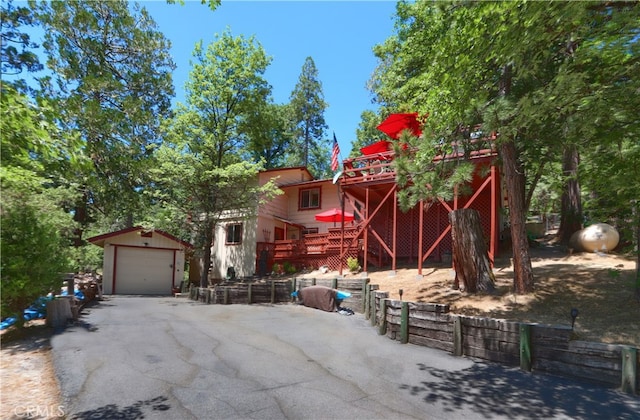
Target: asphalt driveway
(168, 358)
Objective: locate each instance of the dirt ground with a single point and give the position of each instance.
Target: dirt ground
(601, 287)
(28, 386)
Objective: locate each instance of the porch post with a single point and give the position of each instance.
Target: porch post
(395, 229)
(494, 221)
(341, 234)
(366, 230)
(420, 236)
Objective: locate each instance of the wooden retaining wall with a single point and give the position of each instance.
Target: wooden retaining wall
(544, 348)
(275, 291)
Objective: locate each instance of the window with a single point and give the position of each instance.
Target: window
(234, 234)
(310, 198)
(309, 231)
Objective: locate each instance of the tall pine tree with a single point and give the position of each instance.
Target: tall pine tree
(307, 108)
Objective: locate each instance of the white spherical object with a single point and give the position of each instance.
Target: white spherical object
(599, 237)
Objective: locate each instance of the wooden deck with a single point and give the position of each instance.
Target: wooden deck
(382, 229)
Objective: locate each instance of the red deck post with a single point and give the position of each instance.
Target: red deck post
(420, 236)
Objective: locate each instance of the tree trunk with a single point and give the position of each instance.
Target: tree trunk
(470, 256)
(513, 174)
(636, 218)
(195, 268)
(514, 179)
(206, 255)
(571, 207)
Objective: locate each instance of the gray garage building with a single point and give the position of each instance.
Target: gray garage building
(138, 261)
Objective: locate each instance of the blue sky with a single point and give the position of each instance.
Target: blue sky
(338, 35)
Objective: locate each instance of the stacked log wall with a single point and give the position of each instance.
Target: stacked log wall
(551, 347)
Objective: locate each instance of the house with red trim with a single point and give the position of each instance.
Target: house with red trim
(286, 232)
(284, 229)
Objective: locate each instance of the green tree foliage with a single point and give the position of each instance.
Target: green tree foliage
(213, 4)
(202, 175)
(16, 47)
(112, 72)
(269, 134)
(366, 133)
(35, 227)
(530, 71)
(307, 106)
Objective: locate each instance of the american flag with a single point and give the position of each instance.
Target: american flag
(334, 154)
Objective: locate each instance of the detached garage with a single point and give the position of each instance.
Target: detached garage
(141, 262)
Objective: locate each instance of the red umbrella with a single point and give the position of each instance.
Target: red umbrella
(334, 215)
(396, 123)
(375, 148)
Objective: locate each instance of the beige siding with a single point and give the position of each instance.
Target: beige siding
(286, 176)
(279, 206)
(241, 257)
(329, 199)
(262, 228)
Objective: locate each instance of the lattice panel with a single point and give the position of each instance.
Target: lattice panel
(382, 224)
(407, 233)
(333, 259)
(436, 220)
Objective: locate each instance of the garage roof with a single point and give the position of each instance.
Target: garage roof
(100, 239)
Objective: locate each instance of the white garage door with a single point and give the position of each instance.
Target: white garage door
(141, 271)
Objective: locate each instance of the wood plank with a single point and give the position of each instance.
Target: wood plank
(490, 334)
(428, 342)
(440, 317)
(428, 307)
(491, 355)
(435, 334)
(494, 345)
(579, 359)
(431, 325)
(602, 376)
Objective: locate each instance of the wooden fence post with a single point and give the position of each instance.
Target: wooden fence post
(250, 293)
(457, 336)
(404, 323)
(525, 347)
(334, 283)
(273, 291)
(382, 326)
(364, 295)
(365, 298)
(293, 288)
(629, 369)
(226, 296)
(313, 281)
(372, 304)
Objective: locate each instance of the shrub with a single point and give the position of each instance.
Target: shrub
(353, 264)
(289, 268)
(277, 268)
(34, 258)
